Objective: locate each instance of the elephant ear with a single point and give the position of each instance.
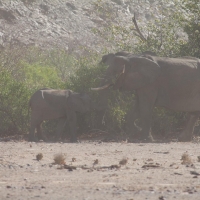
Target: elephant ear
(143, 72)
(119, 64)
(119, 70)
(107, 59)
(150, 69)
(68, 93)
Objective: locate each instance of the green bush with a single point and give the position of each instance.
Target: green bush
(24, 71)
(192, 28)
(14, 97)
(39, 76)
(86, 75)
(118, 105)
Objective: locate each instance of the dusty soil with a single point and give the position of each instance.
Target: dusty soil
(153, 171)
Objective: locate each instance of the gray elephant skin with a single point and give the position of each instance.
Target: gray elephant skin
(47, 104)
(173, 83)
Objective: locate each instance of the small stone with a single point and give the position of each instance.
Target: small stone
(71, 6)
(123, 161)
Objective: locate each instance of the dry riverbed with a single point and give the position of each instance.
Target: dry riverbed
(98, 170)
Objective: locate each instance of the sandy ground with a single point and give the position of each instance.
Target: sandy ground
(153, 171)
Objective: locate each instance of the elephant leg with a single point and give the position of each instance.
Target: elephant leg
(40, 134)
(131, 127)
(32, 132)
(187, 133)
(34, 125)
(145, 124)
(60, 127)
(146, 101)
(72, 120)
(99, 119)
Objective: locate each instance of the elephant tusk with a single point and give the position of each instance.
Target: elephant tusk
(123, 69)
(101, 88)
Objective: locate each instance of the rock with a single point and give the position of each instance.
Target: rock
(45, 8)
(7, 15)
(71, 6)
(119, 2)
(27, 2)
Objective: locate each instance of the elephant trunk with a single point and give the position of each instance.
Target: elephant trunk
(102, 87)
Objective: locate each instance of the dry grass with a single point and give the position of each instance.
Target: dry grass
(39, 156)
(59, 159)
(124, 161)
(96, 162)
(186, 159)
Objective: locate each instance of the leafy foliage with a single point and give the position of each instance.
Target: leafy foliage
(119, 105)
(192, 28)
(14, 97)
(23, 71)
(86, 74)
(37, 75)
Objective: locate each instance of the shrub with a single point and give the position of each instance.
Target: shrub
(86, 74)
(22, 73)
(40, 76)
(14, 96)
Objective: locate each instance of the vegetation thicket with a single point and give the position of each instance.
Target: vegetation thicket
(24, 70)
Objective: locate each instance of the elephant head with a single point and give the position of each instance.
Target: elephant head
(128, 73)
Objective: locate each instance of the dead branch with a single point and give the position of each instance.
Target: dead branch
(137, 29)
(161, 42)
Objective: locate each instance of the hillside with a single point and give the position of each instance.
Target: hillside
(69, 24)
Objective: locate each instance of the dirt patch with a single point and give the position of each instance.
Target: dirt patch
(94, 170)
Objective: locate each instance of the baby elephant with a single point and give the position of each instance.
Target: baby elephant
(49, 104)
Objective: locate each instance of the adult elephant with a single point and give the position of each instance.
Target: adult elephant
(49, 104)
(173, 83)
(106, 59)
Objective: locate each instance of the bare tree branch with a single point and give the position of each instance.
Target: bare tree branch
(137, 29)
(161, 29)
(161, 41)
